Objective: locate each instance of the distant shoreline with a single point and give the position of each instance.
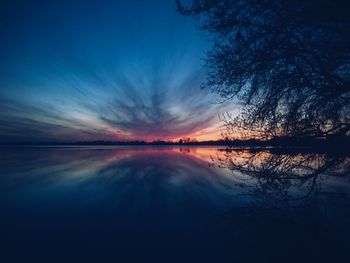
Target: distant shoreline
(280, 144)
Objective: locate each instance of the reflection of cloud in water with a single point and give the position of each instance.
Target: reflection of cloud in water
(156, 172)
(143, 198)
(126, 175)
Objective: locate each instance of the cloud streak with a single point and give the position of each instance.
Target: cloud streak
(125, 72)
(149, 110)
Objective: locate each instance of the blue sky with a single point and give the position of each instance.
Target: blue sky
(102, 70)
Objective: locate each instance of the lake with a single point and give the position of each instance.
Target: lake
(162, 204)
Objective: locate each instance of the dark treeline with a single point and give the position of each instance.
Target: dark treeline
(286, 143)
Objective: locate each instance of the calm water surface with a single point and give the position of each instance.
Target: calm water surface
(163, 204)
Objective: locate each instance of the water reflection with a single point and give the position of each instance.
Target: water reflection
(203, 203)
(286, 175)
(117, 169)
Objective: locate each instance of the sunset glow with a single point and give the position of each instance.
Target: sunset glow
(125, 78)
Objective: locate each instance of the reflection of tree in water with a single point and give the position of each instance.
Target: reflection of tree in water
(290, 206)
(279, 174)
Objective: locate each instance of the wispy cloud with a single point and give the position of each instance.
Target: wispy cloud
(102, 76)
(150, 109)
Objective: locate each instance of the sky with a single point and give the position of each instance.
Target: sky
(102, 70)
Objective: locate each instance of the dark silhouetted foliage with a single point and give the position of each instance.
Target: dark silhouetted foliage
(287, 61)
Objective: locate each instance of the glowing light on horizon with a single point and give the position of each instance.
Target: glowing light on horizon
(137, 79)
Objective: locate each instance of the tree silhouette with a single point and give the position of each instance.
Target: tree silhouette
(287, 61)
